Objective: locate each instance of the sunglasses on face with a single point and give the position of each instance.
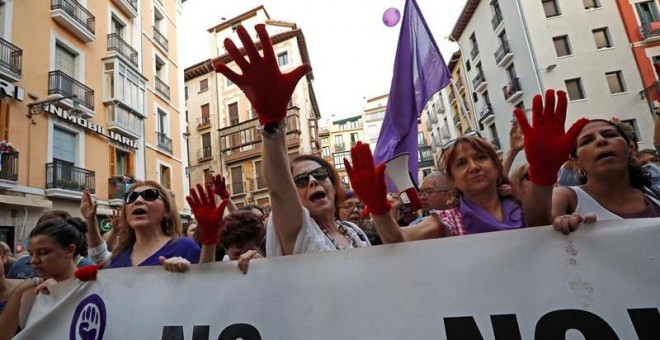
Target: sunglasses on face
(148, 195)
(319, 174)
(453, 141)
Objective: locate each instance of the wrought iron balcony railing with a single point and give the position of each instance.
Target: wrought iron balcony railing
(204, 153)
(77, 12)
(203, 121)
(164, 142)
(117, 44)
(11, 58)
(162, 88)
(502, 51)
(511, 88)
(64, 85)
(9, 166)
(340, 146)
(496, 20)
(63, 175)
(650, 29)
(485, 111)
(160, 39)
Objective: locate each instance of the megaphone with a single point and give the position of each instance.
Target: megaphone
(396, 169)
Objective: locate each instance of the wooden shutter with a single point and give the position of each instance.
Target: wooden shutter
(129, 163)
(112, 160)
(4, 120)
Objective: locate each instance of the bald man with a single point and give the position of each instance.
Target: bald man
(436, 193)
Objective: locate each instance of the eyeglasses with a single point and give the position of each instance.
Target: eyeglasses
(148, 195)
(351, 206)
(430, 191)
(453, 141)
(319, 174)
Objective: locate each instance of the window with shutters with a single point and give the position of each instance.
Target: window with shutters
(591, 4)
(551, 8)
(65, 60)
(615, 82)
(64, 145)
(602, 38)
(237, 180)
(562, 46)
(165, 176)
(574, 89)
(233, 113)
(4, 119)
(203, 85)
(259, 176)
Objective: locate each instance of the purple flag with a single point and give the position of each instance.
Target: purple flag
(419, 72)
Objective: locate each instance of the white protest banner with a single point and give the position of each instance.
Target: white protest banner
(601, 282)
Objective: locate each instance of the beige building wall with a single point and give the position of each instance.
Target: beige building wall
(66, 145)
(344, 134)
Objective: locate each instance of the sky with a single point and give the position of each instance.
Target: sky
(351, 51)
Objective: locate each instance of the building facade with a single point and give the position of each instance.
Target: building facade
(461, 118)
(343, 135)
(99, 84)
(222, 130)
(641, 20)
(531, 46)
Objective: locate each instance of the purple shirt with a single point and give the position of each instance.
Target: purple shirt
(477, 220)
(182, 246)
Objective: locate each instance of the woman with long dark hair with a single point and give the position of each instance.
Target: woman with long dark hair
(54, 246)
(613, 185)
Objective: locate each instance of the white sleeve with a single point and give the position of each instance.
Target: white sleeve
(100, 254)
(310, 239)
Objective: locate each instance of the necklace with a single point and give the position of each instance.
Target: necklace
(344, 230)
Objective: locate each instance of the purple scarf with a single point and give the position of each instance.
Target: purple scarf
(477, 220)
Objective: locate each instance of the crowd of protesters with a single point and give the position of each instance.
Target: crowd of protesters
(592, 172)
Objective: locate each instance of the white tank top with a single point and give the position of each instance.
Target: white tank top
(588, 205)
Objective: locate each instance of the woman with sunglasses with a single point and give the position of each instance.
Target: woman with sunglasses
(153, 233)
(305, 194)
(54, 246)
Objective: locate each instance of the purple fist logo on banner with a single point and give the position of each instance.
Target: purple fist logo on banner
(89, 319)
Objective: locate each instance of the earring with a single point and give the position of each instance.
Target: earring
(581, 173)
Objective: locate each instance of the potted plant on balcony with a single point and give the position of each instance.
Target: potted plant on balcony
(6, 149)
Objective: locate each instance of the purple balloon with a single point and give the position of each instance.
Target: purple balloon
(391, 17)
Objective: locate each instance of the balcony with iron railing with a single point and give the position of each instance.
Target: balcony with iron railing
(74, 17)
(63, 175)
(11, 60)
(243, 140)
(164, 142)
(9, 166)
(122, 48)
(433, 117)
(340, 146)
(474, 52)
(160, 39)
(203, 122)
(503, 54)
(512, 90)
(425, 156)
(650, 30)
(59, 83)
(162, 88)
(479, 82)
(129, 7)
(116, 188)
(496, 20)
(486, 111)
(204, 153)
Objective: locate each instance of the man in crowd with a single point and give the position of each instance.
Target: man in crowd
(436, 193)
